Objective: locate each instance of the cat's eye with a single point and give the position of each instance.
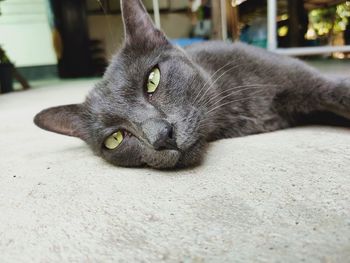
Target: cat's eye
(153, 80)
(113, 141)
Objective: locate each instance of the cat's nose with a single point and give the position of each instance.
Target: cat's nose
(160, 134)
(166, 139)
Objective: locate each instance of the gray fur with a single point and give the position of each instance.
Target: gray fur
(207, 92)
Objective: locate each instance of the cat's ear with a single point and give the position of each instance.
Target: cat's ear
(66, 120)
(138, 26)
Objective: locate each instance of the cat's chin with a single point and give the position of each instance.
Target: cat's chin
(174, 159)
(165, 159)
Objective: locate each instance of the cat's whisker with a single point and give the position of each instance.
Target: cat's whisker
(202, 123)
(216, 80)
(212, 84)
(209, 113)
(215, 120)
(233, 101)
(209, 79)
(232, 91)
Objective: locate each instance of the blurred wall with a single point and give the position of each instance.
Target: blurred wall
(109, 29)
(25, 33)
(175, 21)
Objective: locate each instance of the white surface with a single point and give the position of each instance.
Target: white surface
(25, 33)
(223, 20)
(277, 197)
(272, 24)
(156, 13)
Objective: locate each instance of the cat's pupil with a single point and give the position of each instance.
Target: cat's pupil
(113, 141)
(153, 81)
(151, 77)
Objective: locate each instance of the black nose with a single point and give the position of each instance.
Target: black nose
(166, 139)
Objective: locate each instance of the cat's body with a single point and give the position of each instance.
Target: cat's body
(270, 91)
(159, 105)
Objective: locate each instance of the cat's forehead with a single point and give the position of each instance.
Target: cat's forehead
(124, 80)
(128, 58)
(130, 67)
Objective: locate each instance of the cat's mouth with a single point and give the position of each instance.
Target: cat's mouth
(168, 146)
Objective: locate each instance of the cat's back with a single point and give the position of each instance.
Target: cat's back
(216, 49)
(212, 55)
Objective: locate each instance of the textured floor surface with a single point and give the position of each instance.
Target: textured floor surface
(277, 197)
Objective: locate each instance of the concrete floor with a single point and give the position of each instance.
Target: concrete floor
(277, 197)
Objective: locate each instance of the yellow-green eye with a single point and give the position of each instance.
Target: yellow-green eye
(113, 141)
(153, 80)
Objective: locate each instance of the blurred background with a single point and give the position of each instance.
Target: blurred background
(44, 41)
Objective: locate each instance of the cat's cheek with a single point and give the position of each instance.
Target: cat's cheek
(193, 156)
(128, 155)
(125, 161)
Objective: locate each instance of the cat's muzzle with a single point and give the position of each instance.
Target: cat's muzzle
(160, 134)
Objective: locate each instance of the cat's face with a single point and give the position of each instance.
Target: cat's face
(156, 128)
(143, 111)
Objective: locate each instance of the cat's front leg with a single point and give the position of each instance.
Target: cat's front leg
(295, 102)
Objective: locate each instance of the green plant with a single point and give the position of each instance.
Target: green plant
(330, 20)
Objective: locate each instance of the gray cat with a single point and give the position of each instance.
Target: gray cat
(159, 105)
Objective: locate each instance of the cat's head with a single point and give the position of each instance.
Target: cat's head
(142, 112)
